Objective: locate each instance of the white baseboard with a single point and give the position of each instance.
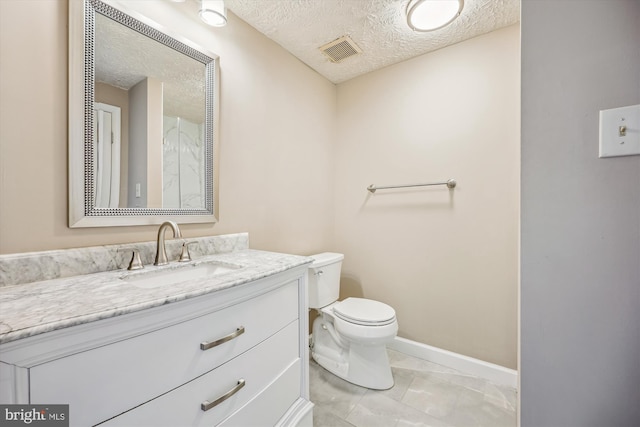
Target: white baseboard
(495, 373)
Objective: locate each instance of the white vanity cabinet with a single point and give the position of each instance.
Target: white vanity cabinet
(234, 357)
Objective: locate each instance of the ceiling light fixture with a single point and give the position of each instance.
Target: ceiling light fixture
(430, 15)
(213, 12)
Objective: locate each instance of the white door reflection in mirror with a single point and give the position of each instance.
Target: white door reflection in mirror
(106, 156)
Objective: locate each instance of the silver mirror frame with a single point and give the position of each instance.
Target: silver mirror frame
(82, 213)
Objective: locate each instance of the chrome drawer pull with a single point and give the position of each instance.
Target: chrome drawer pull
(207, 345)
(206, 405)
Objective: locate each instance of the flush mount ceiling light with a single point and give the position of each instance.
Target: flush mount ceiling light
(429, 15)
(213, 12)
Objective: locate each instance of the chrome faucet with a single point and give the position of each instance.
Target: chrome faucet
(161, 252)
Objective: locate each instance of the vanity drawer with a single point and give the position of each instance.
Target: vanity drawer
(267, 408)
(135, 370)
(258, 367)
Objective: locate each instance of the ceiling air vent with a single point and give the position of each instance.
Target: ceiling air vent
(340, 49)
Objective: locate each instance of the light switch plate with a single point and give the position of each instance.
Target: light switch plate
(620, 131)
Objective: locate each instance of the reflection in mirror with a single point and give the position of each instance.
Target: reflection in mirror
(106, 155)
(149, 140)
(163, 92)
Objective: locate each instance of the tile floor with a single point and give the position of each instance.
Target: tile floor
(424, 394)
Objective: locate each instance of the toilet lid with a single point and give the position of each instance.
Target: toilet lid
(364, 311)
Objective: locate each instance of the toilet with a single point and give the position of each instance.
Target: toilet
(349, 337)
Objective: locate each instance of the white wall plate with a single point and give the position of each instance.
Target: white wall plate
(620, 131)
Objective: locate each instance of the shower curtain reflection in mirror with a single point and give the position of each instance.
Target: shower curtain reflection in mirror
(106, 155)
(182, 164)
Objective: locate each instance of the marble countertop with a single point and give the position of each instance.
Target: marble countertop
(48, 305)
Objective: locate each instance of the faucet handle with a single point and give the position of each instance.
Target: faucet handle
(185, 256)
(135, 263)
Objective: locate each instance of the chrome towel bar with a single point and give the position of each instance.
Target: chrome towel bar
(451, 183)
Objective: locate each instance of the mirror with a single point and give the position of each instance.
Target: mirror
(142, 121)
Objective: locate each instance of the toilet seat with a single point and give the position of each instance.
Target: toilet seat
(365, 312)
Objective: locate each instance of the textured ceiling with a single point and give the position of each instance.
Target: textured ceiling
(124, 57)
(378, 27)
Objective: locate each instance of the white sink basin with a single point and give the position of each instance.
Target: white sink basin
(156, 279)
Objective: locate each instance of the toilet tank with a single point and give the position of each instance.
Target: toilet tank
(324, 279)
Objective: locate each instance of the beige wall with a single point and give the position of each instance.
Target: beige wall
(277, 120)
(447, 261)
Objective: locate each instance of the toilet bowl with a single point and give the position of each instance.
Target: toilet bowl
(349, 337)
